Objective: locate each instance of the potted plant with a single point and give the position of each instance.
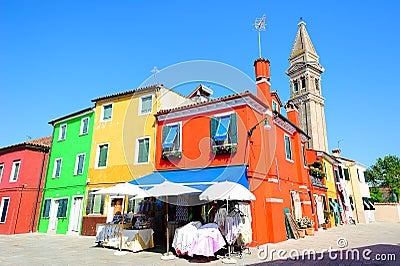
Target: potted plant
(309, 225)
(327, 220)
(301, 227)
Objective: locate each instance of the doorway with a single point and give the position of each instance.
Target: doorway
(53, 216)
(75, 215)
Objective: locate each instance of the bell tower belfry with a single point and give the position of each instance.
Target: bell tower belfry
(305, 89)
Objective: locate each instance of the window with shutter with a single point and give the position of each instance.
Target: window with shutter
(143, 150)
(103, 154)
(84, 126)
(46, 208)
(107, 112)
(346, 174)
(146, 105)
(79, 163)
(4, 209)
(288, 148)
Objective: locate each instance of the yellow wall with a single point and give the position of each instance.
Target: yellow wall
(330, 184)
(355, 192)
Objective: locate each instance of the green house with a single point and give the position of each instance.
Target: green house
(67, 172)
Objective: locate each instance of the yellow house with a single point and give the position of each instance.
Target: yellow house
(328, 162)
(122, 146)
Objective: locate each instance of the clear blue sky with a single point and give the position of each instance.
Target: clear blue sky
(55, 56)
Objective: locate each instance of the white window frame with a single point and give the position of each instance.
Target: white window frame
(66, 211)
(2, 170)
(82, 123)
(1, 208)
(13, 170)
(55, 167)
(102, 111)
(140, 104)
(291, 152)
(137, 150)
(60, 132)
(98, 155)
(77, 162)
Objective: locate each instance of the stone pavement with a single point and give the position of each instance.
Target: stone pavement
(383, 239)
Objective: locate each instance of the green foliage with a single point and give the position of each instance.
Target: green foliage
(385, 173)
(376, 194)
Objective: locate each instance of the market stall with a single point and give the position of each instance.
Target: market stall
(108, 235)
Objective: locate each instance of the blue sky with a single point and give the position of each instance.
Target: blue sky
(55, 56)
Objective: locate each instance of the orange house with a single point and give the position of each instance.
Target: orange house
(241, 132)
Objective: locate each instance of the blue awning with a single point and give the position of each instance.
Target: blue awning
(222, 129)
(169, 140)
(196, 178)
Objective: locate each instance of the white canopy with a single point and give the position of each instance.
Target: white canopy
(123, 189)
(226, 191)
(170, 189)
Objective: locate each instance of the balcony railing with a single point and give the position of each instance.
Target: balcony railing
(317, 181)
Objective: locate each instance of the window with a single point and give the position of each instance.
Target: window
(317, 84)
(326, 172)
(146, 105)
(4, 209)
(288, 148)
(351, 203)
(358, 176)
(303, 83)
(46, 208)
(274, 106)
(79, 163)
(102, 154)
(346, 174)
(303, 150)
(62, 208)
(95, 203)
(224, 130)
(106, 112)
(295, 86)
(57, 167)
(336, 173)
(171, 137)
(142, 150)
(84, 126)
(1, 170)
(15, 171)
(63, 132)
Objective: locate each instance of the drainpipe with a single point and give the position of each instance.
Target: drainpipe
(354, 197)
(19, 207)
(38, 192)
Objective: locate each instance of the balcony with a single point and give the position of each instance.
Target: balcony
(317, 181)
(171, 154)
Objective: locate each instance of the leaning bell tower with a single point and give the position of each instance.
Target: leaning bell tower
(305, 89)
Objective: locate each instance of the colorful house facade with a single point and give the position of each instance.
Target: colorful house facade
(122, 146)
(238, 138)
(65, 186)
(22, 174)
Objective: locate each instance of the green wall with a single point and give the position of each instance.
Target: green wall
(68, 184)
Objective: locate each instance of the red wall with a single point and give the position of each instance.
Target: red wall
(24, 196)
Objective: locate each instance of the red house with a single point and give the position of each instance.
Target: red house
(241, 139)
(22, 171)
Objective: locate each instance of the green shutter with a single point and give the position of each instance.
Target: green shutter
(165, 131)
(143, 150)
(233, 129)
(103, 197)
(89, 202)
(346, 174)
(213, 128)
(103, 155)
(97, 205)
(46, 208)
(178, 138)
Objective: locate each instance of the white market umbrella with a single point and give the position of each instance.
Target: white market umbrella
(123, 189)
(227, 190)
(166, 189)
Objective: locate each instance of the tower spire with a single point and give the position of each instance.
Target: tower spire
(303, 45)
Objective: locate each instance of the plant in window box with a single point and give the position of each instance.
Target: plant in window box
(171, 155)
(224, 149)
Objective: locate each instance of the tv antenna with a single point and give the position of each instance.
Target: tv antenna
(259, 24)
(338, 143)
(154, 71)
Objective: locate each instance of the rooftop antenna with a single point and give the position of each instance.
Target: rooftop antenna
(338, 143)
(154, 71)
(259, 24)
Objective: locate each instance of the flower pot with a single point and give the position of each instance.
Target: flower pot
(302, 232)
(310, 231)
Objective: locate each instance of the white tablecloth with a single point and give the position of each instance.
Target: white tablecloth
(134, 240)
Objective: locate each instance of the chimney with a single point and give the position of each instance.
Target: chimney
(336, 153)
(261, 66)
(292, 113)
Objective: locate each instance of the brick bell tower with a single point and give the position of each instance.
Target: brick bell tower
(305, 89)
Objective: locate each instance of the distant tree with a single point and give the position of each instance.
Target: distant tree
(376, 194)
(385, 173)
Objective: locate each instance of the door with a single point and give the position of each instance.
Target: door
(76, 215)
(115, 205)
(53, 217)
